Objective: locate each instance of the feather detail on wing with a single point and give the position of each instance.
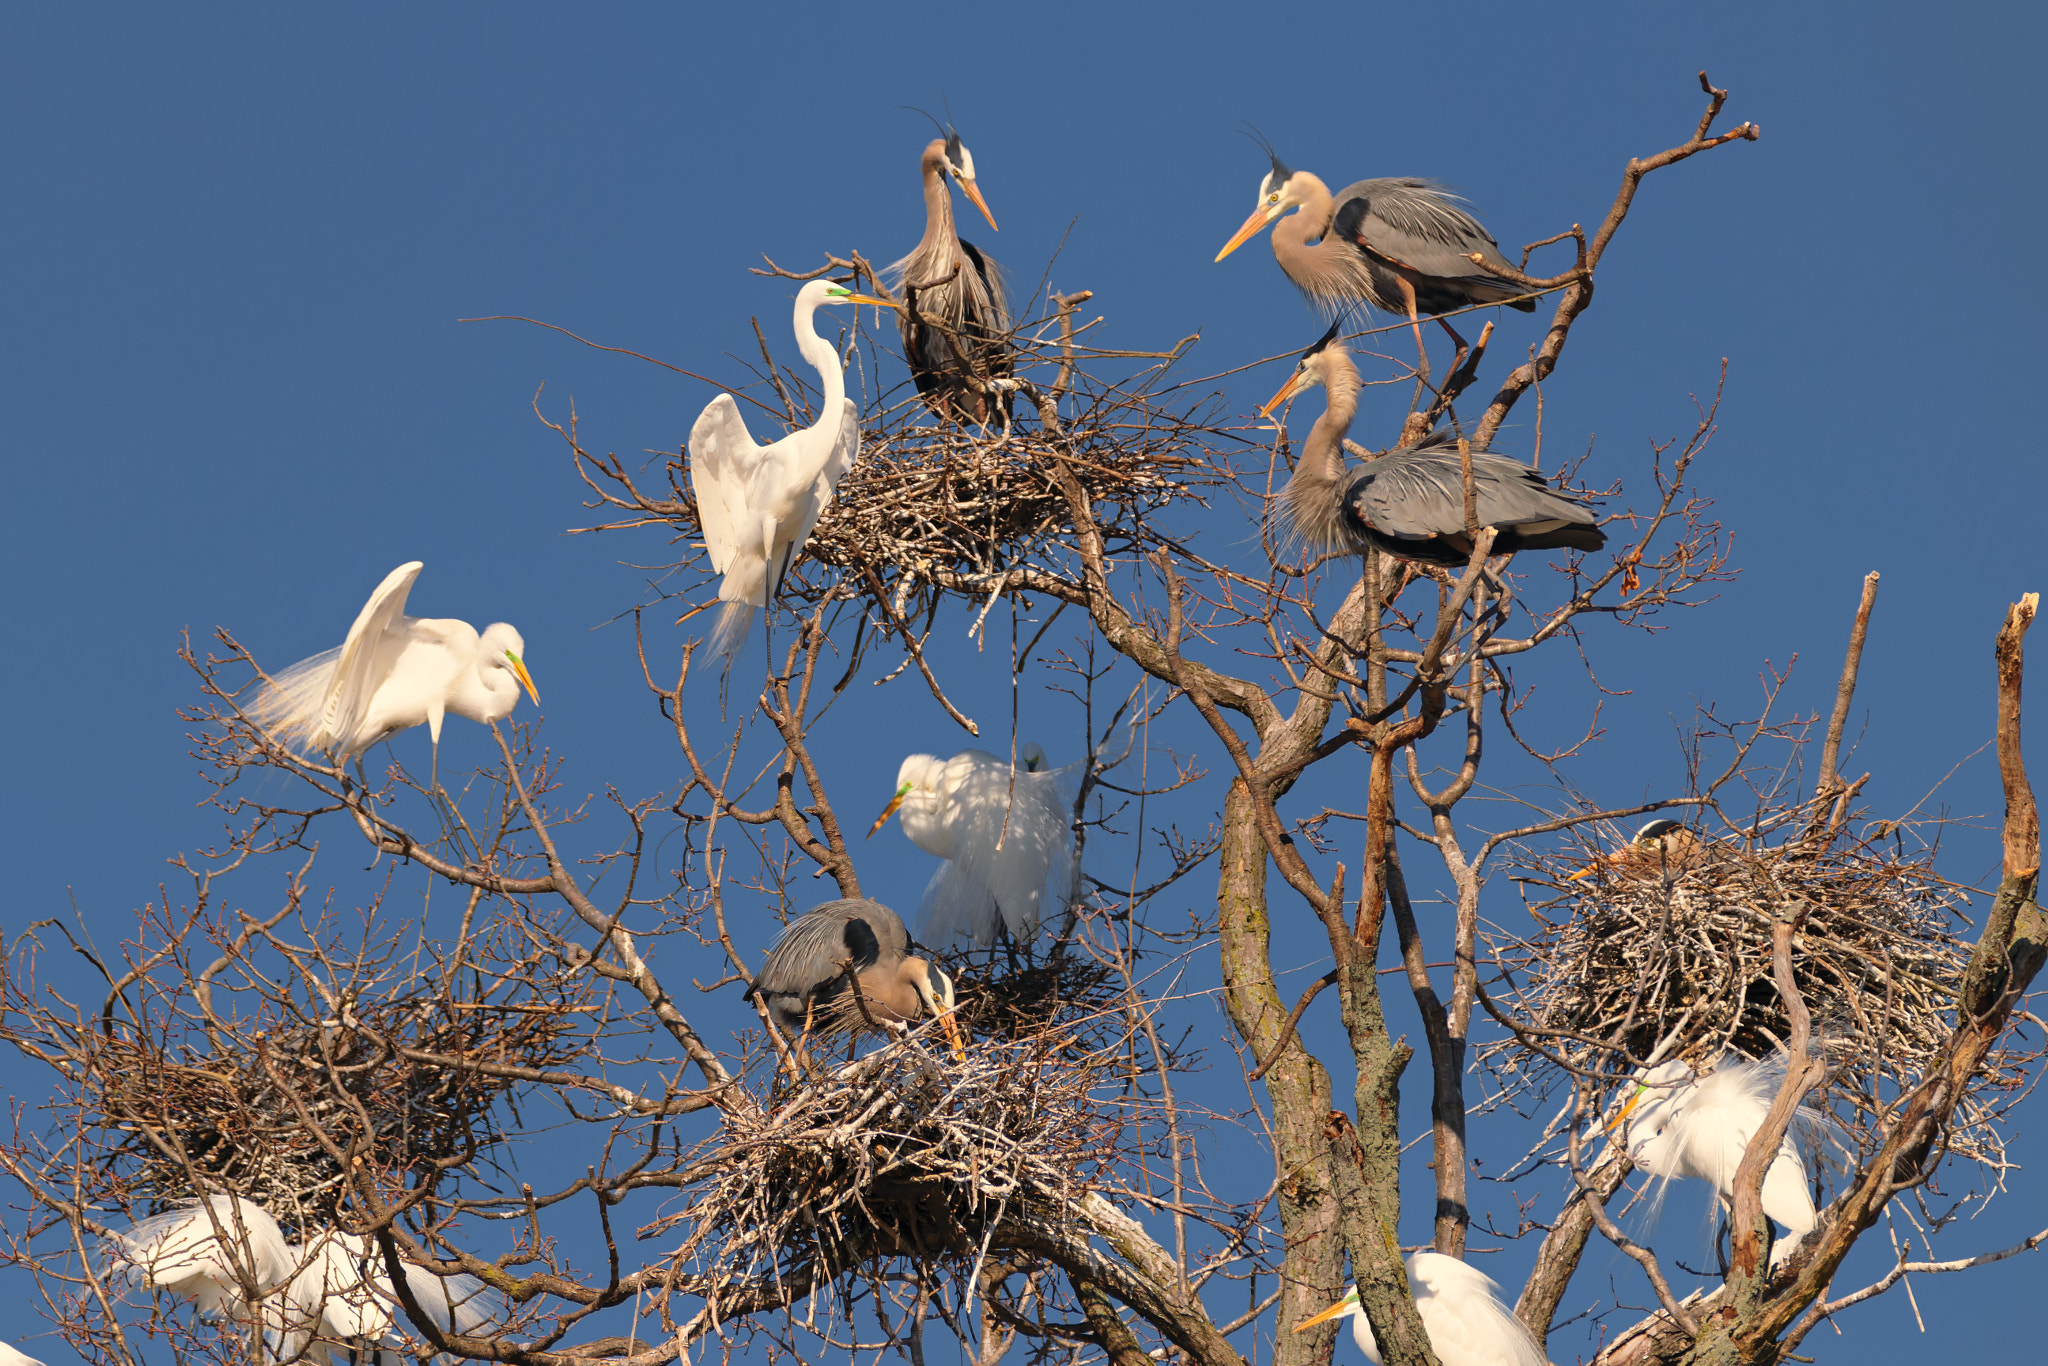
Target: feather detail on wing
(321, 701)
(845, 450)
(722, 456)
(1016, 883)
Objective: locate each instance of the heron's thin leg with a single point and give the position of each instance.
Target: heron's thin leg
(444, 806)
(1457, 340)
(1415, 326)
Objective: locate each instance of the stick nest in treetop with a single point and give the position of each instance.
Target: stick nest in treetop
(932, 506)
(1019, 999)
(241, 1118)
(1642, 955)
(898, 1155)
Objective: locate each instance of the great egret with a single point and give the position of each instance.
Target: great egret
(1402, 244)
(757, 504)
(1411, 502)
(12, 1356)
(1676, 1125)
(804, 980)
(1461, 1311)
(958, 337)
(1661, 846)
(394, 672)
(213, 1253)
(340, 1305)
(1004, 837)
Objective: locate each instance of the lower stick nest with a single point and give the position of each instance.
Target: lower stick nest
(898, 1155)
(1685, 955)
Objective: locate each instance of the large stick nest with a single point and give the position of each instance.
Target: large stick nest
(1631, 958)
(898, 1155)
(249, 1116)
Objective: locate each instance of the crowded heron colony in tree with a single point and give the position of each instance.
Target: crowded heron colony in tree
(286, 1135)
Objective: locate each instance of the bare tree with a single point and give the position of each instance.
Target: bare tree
(353, 1068)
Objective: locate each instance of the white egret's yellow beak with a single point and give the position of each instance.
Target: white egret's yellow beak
(1336, 1310)
(526, 679)
(1296, 382)
(870, 299)
(1261, 216)
(1633, 1101)
(974, 193)
(890, 809)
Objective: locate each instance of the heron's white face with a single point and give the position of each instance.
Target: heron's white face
(1307, 375)
(502, 647)
(960, 165)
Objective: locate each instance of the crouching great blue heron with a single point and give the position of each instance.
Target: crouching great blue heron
(958, 333)
(1661, 846)
(804, 983)
(1411, 502)
(1402, 244)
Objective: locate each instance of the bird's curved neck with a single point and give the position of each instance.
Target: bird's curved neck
(1315, 491)
(940, 233)
(825, 360)
(1299, 231)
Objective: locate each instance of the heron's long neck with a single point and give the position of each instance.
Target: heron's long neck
(825, 361)
(1314, 493)
(1296, 234)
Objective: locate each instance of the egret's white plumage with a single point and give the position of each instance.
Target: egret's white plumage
(211, 1254)
(13, 1356)
(394, 672)
(1461, 1311)
(339, 1305)
(1677, 1125)
(1006, 840)
(757, 504)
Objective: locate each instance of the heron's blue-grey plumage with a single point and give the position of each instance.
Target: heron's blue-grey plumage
(1411, 227)
(805, 971)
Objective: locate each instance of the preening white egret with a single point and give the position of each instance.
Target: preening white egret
(1660, 847)
(12, 1356)
(340, 1305)
(214, 1254)
(803, 983)
(757, 504)
(1676, 1125)
(394, 672)
(1006, 840)
(1461, 1311)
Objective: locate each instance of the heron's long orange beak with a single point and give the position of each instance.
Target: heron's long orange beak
(1258, 220)
(1590, 868)
(889, 810)
(1288, 390)
(974, 193)
(1332, 1312)
(953, 1039)
(526, 679)
(1633, 1101)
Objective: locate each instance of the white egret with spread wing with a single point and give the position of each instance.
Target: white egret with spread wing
(756, 504)
(1677, 1125)
(222, 1254)
(1461, 1311)
(394, 672)
(804, 983)
(1005, 835)
(340, 1306)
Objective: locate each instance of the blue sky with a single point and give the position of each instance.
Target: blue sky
(238, 393)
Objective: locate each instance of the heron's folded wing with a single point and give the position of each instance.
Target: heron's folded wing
(356, 667)
(1416, 223)
(723, 456)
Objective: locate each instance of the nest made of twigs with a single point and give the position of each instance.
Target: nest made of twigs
(901, 1154)
(1643, 955)
(248, 1117)
(1067, 992)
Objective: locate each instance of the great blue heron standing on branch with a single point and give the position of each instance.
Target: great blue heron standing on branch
(1461, 1311)
(1401, 244)
(757, 504)
(1410, 502)
(810, 979)
(956, 318)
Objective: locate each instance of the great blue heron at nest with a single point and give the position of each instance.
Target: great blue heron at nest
(805, 982)
(1401, 244)
(1004, 835)
(1461, 1311)
(1411, 502)
(956, 316)
(1678, 1125)
(1662, 847)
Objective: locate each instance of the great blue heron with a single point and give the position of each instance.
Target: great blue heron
(1662, 846)
(757, 504)
(213, 1253)
(1677, 1125)
(1402, 244)
(1461, 1311)
(339, 1305)
(1005, 838)
(804, 981)
(1411, 502)
(956, 322)
(394, 672)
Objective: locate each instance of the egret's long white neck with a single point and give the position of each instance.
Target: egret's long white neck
(825, 360)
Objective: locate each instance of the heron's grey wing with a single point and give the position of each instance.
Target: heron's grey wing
(723, 457)
(1408, 495)
(1420, 224)
(808, 952)
(356, 668)
(994, 284)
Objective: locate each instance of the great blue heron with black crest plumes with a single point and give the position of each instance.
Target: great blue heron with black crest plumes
(1410, 502)
(756, 504)
(804, 983)
(1400, 243)
(1663, 846)
(956, 322)
(1461, 1310)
